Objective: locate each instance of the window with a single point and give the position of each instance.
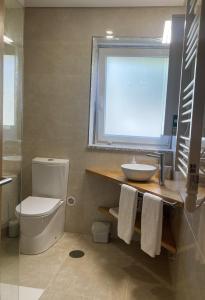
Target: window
(128, 93)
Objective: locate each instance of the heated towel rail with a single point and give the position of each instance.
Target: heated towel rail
(192, 98)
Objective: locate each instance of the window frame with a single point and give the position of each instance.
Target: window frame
(97, 138)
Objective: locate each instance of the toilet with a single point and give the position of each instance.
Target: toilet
(42, 215)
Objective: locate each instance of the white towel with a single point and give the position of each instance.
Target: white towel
(151, 224)
(127, 213)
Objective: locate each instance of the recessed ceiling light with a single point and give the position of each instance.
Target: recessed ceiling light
(109, 32)
(7, 40)
(167, 32)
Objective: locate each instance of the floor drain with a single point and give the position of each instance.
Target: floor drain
(76, 254)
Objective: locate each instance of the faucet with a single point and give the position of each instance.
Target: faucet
(160, 157)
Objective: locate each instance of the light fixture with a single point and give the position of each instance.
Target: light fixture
(7, 40)
(167, 32)
(109, 37)
(109, 32)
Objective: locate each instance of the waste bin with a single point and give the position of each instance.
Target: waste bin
(101, 232)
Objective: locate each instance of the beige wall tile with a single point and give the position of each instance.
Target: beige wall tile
(57, 87)
(56, 113)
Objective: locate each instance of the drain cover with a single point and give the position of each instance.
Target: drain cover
(76, 254)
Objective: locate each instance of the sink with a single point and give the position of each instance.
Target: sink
(138, 172)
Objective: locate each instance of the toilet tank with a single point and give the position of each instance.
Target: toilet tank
(50, 177)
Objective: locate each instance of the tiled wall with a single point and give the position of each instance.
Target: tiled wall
(187, 268)
(57, 85)
(11, 141)
(56, 112)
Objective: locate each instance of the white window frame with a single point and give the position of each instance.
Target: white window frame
(103, 47)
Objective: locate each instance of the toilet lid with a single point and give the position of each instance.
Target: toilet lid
(37, 206)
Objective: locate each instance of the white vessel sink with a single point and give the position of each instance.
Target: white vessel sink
(138, 172)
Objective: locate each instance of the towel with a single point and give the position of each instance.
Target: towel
(151, 224)
(127, 213)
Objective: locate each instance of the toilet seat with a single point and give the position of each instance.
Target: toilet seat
(37, 206)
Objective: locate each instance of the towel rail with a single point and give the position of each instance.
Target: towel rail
(172, 204)
(168, 241)
(191, 103)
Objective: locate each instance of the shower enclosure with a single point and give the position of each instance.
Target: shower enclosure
(11, 78)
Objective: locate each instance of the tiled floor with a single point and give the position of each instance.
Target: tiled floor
(9, 274)
(9, 261)
(107, 271)
(14, 292)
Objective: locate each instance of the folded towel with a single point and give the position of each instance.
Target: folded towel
(127, 213)
(151, 224)
(114, 211)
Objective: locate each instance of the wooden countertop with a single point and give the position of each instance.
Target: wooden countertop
(170, 192)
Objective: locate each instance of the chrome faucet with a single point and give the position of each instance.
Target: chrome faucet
(160, 157)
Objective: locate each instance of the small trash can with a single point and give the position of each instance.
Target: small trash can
(13, 228)
(101, 232)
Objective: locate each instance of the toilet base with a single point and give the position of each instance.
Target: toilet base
(38, 234)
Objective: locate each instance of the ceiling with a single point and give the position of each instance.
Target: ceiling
(100, 3)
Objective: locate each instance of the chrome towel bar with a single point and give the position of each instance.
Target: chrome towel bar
(165, 202)
(4, 180)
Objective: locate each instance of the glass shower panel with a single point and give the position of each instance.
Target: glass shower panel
(11, 148)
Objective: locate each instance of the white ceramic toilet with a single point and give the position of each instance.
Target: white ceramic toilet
(42, 215)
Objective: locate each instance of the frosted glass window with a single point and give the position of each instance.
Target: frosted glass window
(135, 96)
(9, 90)
(128, 93)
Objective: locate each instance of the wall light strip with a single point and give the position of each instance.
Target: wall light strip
(109, 37)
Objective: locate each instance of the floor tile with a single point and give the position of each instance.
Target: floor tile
(106, 272)
(14, 292)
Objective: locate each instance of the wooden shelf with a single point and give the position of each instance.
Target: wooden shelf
(171, 191)
(167, 238)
